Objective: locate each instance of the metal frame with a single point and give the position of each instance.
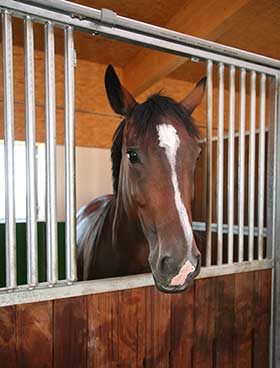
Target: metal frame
(106, 23)
(99, 22)
(64, 290)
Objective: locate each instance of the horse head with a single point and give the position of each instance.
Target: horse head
(158, 155)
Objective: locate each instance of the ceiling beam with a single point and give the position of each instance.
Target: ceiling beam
(200, 18)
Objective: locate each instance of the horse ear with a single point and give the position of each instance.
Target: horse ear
(194, 98)
(120, 99)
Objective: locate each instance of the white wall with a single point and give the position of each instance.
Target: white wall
(93, 176)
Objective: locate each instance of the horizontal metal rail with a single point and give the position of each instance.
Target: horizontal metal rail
(64, 290)
(177, 45)
(201, 226)
(226, 136)
(109, 17)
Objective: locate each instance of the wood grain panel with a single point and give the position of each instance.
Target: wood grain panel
(219, 322)
(205, 322)
(103, 330)
(95, 120)
(262, 297)
(244, 319)
(91, 130)
(34, 330)
(131, 330)
(8, 337)
(225, 289)
(158, 317)
(70, 332)
(182, 329)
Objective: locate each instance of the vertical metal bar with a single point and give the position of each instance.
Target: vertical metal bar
(70, 195)
(209, 156)
(251, 176)
(241, 165)
(271, 198)
(261, 168)
(8, 108)
(32, 253)
(52, 261)
(271, 165)
(220, 168)
(231, 140)
(274, 229)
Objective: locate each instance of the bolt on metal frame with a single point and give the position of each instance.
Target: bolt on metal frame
(72, 17)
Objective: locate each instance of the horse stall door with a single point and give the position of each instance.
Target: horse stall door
(55, 157)
(219, 322)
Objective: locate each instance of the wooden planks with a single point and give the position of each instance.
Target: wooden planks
(34, 330)
(102, 330)
(225, 293)
(70, 332)
(204, 323)
(219, 322)
(131, 327)
(244, 319)
(8, 337)
(158, 316)
(182, 329)
(261, 307)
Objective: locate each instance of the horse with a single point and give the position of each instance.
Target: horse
(145, 225)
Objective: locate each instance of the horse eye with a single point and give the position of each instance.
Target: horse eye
(132, 156)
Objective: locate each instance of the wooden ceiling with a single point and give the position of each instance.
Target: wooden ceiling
(251, 25)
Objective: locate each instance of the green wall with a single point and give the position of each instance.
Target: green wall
(21, 252)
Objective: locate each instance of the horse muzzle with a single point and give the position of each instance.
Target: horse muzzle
(179, 281)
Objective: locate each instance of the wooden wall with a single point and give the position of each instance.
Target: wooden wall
(95, 120)
(220, 322)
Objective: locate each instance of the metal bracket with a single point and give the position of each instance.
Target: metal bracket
(108, 16)
(195, 59)
(75, 57)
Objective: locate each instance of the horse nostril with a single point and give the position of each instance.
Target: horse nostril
(167, 264)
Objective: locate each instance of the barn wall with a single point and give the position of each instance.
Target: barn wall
(219, 322)
(95, 120)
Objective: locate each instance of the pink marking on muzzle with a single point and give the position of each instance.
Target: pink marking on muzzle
(181, 277)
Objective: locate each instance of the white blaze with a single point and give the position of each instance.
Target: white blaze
(170, 141)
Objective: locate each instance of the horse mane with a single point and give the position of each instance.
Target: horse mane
(146, 116)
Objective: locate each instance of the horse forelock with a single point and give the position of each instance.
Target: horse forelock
(145, 118)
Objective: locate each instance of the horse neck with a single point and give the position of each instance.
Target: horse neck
(126, 224)
(129, 243)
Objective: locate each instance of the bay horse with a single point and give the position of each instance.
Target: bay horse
(146, 224)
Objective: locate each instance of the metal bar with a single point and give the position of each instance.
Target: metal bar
(177, 45)
(261, 168)
(32, 252)
(74, 12)
(8, 109)
(251, 174)
(69, 100)
(201, 226)
(241, 165)
(275, 296)
(271, 169)
(209, 155)
(63, 290)
(271, 198)
(231, 162)
(220, 167)
(52, 262)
